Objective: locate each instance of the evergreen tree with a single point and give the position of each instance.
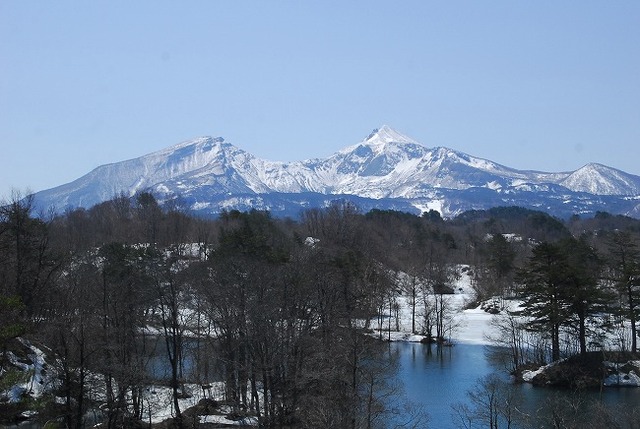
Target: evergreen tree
(624, 261)
(544, 292)
(585, 295)
(561, 288)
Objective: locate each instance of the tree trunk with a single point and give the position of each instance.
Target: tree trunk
(632, 317)
(555, 342)
(583, 336)
(634, 335)
(413, 306)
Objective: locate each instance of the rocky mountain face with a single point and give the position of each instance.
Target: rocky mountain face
(387, 170)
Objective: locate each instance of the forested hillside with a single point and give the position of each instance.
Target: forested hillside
(279, 313)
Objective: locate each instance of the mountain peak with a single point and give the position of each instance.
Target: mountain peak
(600, 179)
(207, 141)
(213, 174)
(594, 166)
(386, 134)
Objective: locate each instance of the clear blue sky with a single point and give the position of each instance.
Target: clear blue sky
(544, 85)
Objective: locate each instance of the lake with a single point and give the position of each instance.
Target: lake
(438, 377)
(433, 378)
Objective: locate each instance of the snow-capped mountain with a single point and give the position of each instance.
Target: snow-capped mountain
(385, 170)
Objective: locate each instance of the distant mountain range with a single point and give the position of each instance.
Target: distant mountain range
(387, 170)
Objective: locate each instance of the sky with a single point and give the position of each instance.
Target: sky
(542, 85)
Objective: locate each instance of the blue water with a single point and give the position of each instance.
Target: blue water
(435, 378)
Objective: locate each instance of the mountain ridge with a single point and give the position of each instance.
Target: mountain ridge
(209, 173)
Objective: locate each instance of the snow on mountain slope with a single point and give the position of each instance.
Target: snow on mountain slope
(173, 170)
(599, 179)
(385, 165)
(388, 164)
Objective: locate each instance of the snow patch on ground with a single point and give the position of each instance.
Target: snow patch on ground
(529, 375)
(217, 419)
(37, 379)
(436, 205)
(475, 327)
(620, 377)
(161, 406)
(470, 326)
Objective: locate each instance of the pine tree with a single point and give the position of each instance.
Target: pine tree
(561, 289)
(544, 292)
(625, 266)
(587, 298)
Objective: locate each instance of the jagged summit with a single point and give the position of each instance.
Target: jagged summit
(386, 134)
(379, 153)
(385, 170)
(203, 141)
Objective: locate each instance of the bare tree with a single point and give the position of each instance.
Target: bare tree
(522, 345)
(493, 403)
(28, 263)
(411, 286)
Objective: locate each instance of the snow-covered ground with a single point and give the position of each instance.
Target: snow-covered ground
(157, 400)
(470, 326)
(160, 404)
(626, 374)
(475, 327)
(37, 380)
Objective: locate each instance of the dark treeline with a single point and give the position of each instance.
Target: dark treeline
(285, 303)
